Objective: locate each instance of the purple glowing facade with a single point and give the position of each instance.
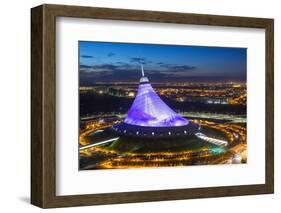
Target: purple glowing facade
(148, 110)
(150, 117)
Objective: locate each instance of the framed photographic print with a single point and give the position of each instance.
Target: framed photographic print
(137, 106)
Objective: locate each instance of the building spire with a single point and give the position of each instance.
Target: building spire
(142, 71)
(143, 79)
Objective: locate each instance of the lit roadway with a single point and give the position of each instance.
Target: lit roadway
(235, 137)
(232, 118)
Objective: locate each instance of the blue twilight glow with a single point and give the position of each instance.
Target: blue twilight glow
(149, 110)
(119, 62)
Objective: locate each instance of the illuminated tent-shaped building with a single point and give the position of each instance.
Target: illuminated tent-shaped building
(149, 116)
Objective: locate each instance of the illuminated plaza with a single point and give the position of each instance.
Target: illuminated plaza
(113, 151)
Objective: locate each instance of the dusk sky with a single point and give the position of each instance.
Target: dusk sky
(111, 62)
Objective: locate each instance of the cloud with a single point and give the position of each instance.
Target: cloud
(87, 56)
(177, 68)
(140, 60)
(105, 67)
(133, 75)
(110, 54)
(82, 66)
(110, 67)
(123, 71)
(160, 63)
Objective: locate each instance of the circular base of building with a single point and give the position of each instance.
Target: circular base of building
(124, 129)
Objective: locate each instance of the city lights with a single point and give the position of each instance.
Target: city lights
(149, 111)
(153, 105)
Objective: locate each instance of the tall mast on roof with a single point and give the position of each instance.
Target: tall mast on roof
(143, 79)
(142, 71)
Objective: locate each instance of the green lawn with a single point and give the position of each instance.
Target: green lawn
(134, 145)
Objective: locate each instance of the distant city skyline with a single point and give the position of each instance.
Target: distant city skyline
(113, 62)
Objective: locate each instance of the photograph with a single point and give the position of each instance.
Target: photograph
(145, 105)
(156, 105)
